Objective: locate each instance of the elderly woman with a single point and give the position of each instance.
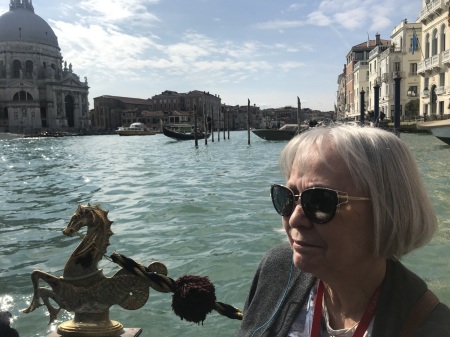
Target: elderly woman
(353, 205)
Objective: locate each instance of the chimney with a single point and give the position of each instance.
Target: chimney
(378, 40)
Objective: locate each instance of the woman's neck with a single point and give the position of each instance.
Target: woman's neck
(348, 296)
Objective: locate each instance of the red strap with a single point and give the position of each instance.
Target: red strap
(362, 325)
(315, 327)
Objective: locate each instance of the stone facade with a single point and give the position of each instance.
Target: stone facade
(37, 91)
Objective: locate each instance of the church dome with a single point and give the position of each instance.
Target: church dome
(22, 24)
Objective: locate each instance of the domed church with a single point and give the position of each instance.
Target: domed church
(37, 90)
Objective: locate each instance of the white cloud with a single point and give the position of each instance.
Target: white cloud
(319, 19)
(103, 51)
(278, 24)
(119, 10)
(295, 7)
(289, 66)
(352, 19)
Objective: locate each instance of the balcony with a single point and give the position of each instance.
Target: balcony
(436, 62)
(384, 77)
(439, 90)
(378, 50)
(429, 64)
(360, 64)
(447, 88)
(446, 57)
(432, 9)
(397, 73)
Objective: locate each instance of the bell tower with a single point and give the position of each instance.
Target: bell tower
(27, 4)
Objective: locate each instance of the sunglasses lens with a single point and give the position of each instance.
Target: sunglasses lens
(319, 204)
(283, 200)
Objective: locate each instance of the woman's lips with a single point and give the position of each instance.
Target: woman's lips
(301, 245)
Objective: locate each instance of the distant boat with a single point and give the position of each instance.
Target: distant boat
(49, 134)
(440, 129)
(286, 132)
(182, 132)
(135, 129)
(7, 135)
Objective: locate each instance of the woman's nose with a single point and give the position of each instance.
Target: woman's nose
(298, 218)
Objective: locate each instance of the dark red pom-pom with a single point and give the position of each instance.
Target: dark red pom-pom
(193, 298)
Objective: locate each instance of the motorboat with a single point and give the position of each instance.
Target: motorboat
(135, 129)
(440, 129)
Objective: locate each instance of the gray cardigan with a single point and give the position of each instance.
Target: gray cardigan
(400, 290)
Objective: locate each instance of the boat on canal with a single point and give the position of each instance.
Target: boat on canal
(183, 132)
(286, 132)
(135, 129)
(440, 129)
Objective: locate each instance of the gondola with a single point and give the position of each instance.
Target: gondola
(181, 135)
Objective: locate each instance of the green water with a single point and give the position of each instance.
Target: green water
(202, 211)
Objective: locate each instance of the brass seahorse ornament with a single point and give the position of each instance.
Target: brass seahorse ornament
(83, 288)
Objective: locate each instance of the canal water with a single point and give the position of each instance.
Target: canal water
(201, 211)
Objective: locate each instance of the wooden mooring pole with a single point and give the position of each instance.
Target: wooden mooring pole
(248, 121)
(195, 125)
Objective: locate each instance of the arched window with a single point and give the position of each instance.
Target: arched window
(17, 67)
(70, 110)
(442, 39)
(427, 46)
(29, 69)
(22, 96)
(434, 43)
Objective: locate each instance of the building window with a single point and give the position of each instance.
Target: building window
(413, 69)
(22, 96)
(442, 79)
(412, 91)
(29, 69)
(17, 67)
(396, 66)
(434, 43)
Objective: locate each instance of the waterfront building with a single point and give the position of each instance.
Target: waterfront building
(111, 112)
(434, 67)
(236, 115)
(340, 96)
(357, 60)
(360, 88)
(204, 103)
(398, 59)
(37, 89)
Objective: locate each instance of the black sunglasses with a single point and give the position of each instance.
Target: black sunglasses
(318, 203)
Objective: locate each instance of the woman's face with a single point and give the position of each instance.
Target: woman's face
(340, 244)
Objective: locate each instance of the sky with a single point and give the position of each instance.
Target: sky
(267, 51)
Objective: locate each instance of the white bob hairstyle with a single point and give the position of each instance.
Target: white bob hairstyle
(384, 169)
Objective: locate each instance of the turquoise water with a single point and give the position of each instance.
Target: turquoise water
(202, 211)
